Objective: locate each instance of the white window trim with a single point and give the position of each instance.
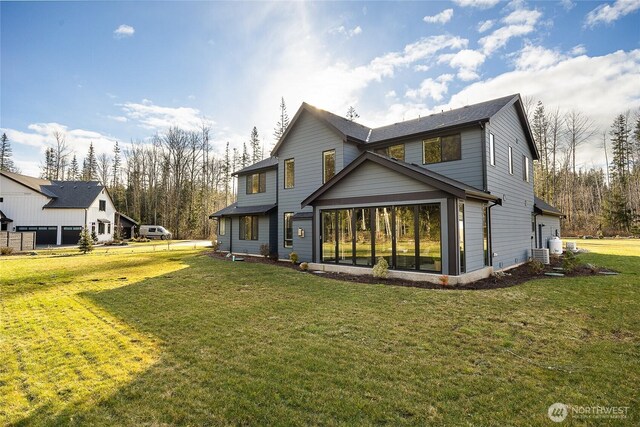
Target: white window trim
(492, 150)
(510, 160)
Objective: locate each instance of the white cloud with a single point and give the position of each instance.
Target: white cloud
(609, 88)
(430, 88)
(567, 4)
(517, 23)
(421, 67)
(480, 4)
(607, 13)
(120, 119)
(155, 117)
(465, 61)
(578, 50)
(440, 18)
(123, 31)
(390, 94)
(345, 32)
(485, 25)
(533, 58)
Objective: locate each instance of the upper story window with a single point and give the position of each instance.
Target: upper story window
(102, 205)
(525, 168)
(511, 160)
(289, 173)
(394, 151)
(441, 149)
(328, 165)
(492, 150)
(257, 183)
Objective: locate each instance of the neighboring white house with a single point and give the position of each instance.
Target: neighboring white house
(55, 210)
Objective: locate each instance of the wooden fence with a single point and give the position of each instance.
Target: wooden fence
(22, 241)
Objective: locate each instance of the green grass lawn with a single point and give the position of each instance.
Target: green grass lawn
(176, 337)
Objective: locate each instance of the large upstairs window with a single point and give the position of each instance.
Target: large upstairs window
(328, 165)
(441, 149)
(257, 183)
(394, 151)
(289, 173)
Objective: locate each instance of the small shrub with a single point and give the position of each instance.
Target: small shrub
(215, 245)
(265, 250)
(273, 256)
(381, 269)
(6, 251)
(444, 280)
(293, 257)
(570, 261)
(304, 266)
(94, 236)
(536, 267)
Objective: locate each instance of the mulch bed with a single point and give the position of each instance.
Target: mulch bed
(512, 277)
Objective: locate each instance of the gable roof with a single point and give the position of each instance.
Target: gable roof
(347, 129)
(4, 218)
(63, 194)
(268, 163)
(73, 194)
(436, 180)
(35, 184)
(127, 219)
(474, 114)
(544, 208)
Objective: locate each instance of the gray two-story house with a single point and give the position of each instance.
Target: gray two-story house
(446, 194)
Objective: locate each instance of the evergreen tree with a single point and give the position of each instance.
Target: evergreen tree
(620, 215)
(74, 170)
(90, 165)
(6, 163)
(48, 169)
(85, 244)
(116, 164)
(244, 161)
(254, 142)
(352, 114)
(226, 173)
(283, 121)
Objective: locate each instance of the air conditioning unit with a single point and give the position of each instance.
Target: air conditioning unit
(541, 255)
(571, 246)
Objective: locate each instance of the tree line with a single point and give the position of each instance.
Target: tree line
(597, 200)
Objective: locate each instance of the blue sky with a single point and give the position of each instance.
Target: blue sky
(106, 71)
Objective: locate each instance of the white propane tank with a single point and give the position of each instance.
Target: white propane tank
(555, 246)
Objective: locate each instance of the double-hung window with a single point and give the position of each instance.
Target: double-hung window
(248, 227)
(257, 183)
(102, 205)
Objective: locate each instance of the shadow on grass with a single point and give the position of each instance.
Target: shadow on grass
(257, 344)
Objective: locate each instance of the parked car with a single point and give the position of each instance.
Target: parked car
(154, 232)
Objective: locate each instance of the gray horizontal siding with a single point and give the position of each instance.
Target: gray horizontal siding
(306, 142)
(467, 170)
(226, 238)
(372, 179)
(269, 196)
(551, 224)
(250, 246)
(510, 223)
(474, 245)
(303, 245)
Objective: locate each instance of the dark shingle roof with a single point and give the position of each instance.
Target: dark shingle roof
(73, 194)
(4, 218)
(545, 208)
(127, 219)
(460, 116)
(345, 126)
(268, 163)
(233, 209)
(303, 215)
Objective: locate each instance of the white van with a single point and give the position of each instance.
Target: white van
(154, 232)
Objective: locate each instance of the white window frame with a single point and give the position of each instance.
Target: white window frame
(510, 160)
(492, 150)
(525, 171)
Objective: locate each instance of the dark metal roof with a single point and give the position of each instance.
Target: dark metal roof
(302, 215)
(271, 162)
(4, 218)
(441, 182)
(233, 210)
(470, 114)
(474, 114)
(542, 207)
(73, 194)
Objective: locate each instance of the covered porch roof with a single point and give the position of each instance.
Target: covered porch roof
(415, 172)
(235, 210)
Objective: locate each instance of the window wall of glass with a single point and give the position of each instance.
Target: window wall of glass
(407, 237)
